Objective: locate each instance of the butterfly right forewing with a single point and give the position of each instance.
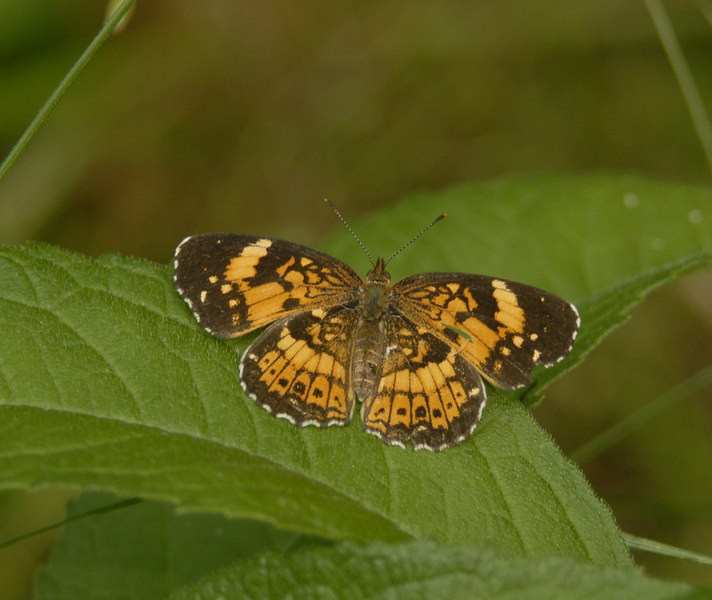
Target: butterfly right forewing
(503, 328)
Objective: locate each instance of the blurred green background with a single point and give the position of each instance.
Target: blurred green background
(243, 116)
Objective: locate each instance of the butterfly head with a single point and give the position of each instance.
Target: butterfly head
(379, 274)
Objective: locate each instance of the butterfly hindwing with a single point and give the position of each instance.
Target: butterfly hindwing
(237, 283)
(299, 368)
(427, 393)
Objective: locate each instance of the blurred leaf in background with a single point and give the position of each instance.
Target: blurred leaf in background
(236, 116)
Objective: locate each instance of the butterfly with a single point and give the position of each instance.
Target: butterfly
(414, 352)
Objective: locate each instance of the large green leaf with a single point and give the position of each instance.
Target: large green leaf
(107, 382)
(423, 570)
(147, 552)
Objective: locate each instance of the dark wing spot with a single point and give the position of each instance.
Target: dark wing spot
(282, 382)
(401, 412)
(420, 412)
(437, 413)
(299, 387)
(290, 303)
(317, 393)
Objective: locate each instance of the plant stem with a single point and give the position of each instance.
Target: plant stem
(56, 96)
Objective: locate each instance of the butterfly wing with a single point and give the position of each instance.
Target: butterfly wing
(502, 327)
(299, 368)
(237, 283)
(427, 393)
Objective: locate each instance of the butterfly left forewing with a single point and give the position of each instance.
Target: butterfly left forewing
(427, 393)
(236, 283)
(502, 327)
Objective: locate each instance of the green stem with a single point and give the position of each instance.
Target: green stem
(669, 40)
(96, 511)
(645, 545)
(634, 422)
(64, 86)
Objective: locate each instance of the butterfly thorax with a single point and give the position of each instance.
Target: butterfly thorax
(376, 293)
(368, 338)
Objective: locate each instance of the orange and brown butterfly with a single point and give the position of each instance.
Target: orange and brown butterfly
(414, 353)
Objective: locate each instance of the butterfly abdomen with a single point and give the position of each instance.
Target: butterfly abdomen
(368, 339)
(366, 361)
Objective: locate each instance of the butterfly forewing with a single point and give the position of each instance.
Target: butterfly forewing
(502, 327)
(237, 283)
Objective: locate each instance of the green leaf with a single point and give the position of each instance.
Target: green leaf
(601, 242)
(147, 551)
(424, 570)
(148, 548)
(107, 382)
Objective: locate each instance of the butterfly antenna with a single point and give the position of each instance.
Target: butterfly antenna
(360, 243)
(442, 216)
